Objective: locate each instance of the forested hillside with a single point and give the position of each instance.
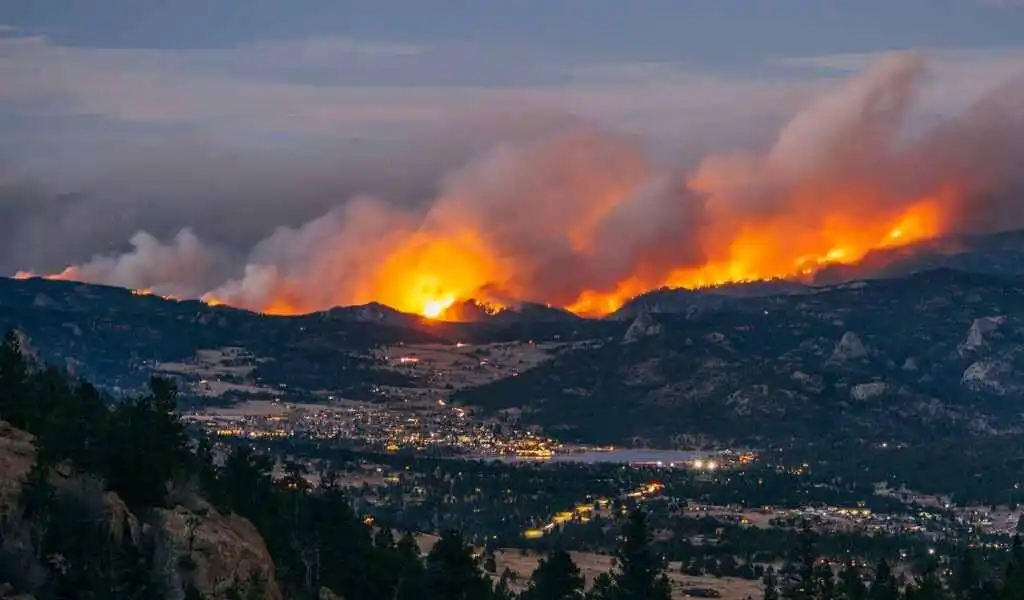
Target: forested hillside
(115, 502)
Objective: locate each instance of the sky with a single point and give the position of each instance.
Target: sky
(84, 75)
(134, 100)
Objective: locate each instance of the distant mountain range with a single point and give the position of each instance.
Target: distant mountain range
(912, 343)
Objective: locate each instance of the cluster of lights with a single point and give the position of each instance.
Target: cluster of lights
(709, 465)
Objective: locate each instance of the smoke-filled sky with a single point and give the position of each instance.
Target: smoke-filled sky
(281, 152)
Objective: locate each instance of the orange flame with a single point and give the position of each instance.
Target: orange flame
(428, 275)
(774, 250)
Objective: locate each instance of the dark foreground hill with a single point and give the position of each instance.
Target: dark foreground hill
(118, 338)
(934, 355)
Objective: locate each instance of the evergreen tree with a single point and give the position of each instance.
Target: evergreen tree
(825, 582)
(556, 578)
(928, 586)
(146, 446)
(409, 569)
(800, 580)
(1013, 583)
(384, 539)
(851, 584)
(602, 589)
(192, 593)
(884, 585)
(13, 377)
(639, 572)
(452, 573)
(771, 584)
(503, 588)
(490, 563)
(967, 582)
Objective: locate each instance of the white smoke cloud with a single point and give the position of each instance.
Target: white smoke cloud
(181, 268)
(575, 207)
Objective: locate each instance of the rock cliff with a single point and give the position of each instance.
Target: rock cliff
(204, 547)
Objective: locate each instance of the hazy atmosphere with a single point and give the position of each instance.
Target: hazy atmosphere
(566, 152)
(512, 299)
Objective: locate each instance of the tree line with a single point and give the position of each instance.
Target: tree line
(62, 543)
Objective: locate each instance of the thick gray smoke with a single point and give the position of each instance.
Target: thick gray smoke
(566, 207)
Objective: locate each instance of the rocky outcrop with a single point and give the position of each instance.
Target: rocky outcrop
(990, 376)
(849, 347)
(980, 330)
(17, 455)
(216, 550)
(643, 326)
(205, 547)
(7, 593)
(868, 391)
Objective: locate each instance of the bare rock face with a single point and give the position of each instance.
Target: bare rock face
(850, 347)
(643, 326)
(980, 330)
(988, 376)
(7, 593)
(868, 391)
(17, 455)
(225, 549)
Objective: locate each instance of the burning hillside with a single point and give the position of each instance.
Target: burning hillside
(584, 219)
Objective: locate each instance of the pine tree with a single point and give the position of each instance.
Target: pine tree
(490, 563)
(771, 584)
(384, 539)
(192, 593)
(602, 589)
(851, 584)
(452, 573)
(13, 379)
(799, 576)
(884, 586)
(928, 586)
(556, 578)
(967, 583)
(639, 571)
(825, 582)
(409, 569)
(503, 588)
(255, 587)
(146, 446)
(1013, 584)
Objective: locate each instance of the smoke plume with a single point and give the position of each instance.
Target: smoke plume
(580, 217)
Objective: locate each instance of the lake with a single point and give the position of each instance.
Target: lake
(622, 456)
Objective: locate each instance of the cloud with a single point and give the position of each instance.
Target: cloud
(575, 213)
(956, 76)
(364, 124)
(330, 86)
(1008, 4)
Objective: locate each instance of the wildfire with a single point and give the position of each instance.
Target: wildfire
(772, 251)
(428, 276)
(584, 218)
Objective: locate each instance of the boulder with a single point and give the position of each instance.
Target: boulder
(980, 330)
(222, 549)
(849, 347)
(643, 326)
(868, 391)
(17, 455)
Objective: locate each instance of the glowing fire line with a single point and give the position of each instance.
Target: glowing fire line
(429, 277)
